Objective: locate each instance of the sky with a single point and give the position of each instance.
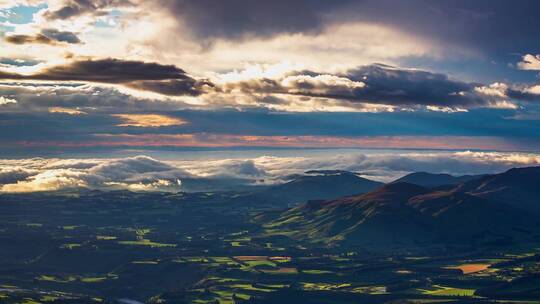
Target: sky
(103, 75)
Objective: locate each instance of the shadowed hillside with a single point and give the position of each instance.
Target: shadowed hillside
(518, 187)
(496, 209)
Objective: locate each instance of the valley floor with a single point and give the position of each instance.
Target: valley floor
(190, 248)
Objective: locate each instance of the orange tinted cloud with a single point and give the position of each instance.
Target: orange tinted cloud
(148, 120)
(67, 111)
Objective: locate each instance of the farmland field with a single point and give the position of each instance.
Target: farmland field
(110, 250)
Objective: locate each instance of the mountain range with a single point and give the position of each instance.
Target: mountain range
(491, 209)
(312, 185)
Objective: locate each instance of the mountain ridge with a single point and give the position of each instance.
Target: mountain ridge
(427, 179)
(405, 214)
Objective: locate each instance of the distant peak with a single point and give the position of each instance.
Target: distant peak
(402, 187)
(524, 170)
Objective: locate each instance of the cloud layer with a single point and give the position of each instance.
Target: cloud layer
(357, 89)
(386, 85)
(131, 173)
(143, 173)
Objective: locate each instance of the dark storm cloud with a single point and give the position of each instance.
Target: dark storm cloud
(47, 36)
(237, 18)
(110, 71)
(493, 27)
(385, 84)
(26, 39)
(376, 84)
(188, 86)
(165, 79)
(61, 36)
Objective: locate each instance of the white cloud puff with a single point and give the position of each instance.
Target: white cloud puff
(530, 62)
(6, 101)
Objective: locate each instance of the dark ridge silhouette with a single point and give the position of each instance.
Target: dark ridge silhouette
(312, 187)
(426, 179)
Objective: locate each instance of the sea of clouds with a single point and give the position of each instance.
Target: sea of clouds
(144, 173)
